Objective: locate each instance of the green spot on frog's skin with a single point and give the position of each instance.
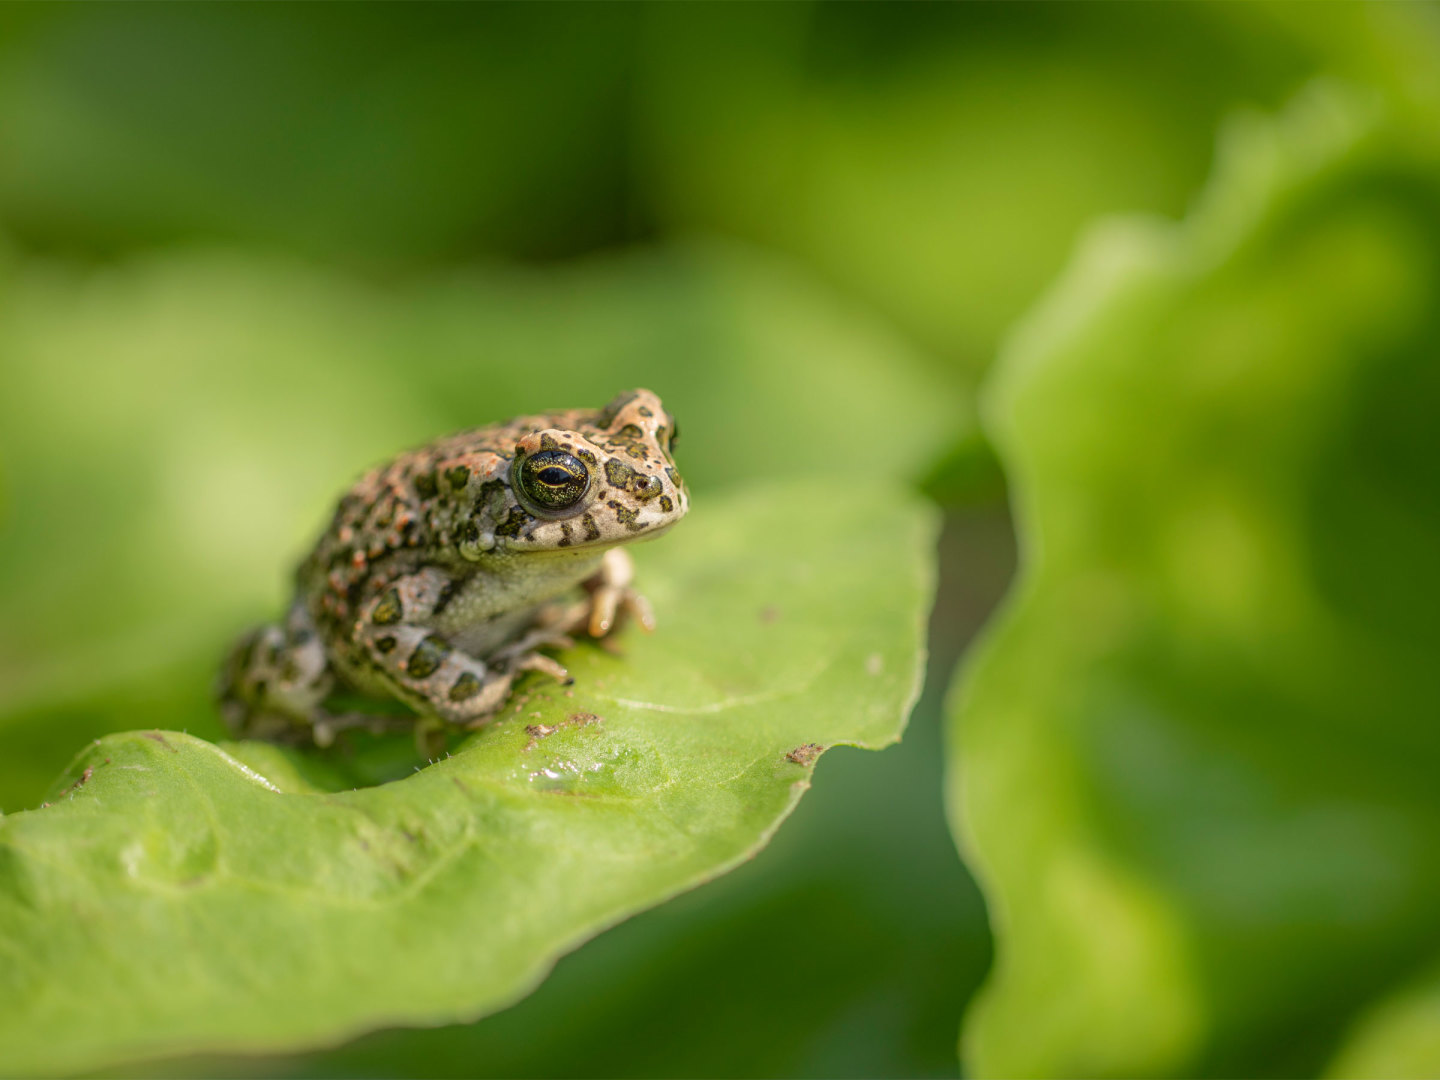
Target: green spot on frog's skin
(466, 533)
(592, 531)
(425, 485)
(587, 457)
(644, 411)
(620, 474)
(514, 522)
(626, 516)
(674, 477)
(466, 687)
(666, 504)
(606, 416)
(630, 431)
(488, 490)
(447, 593)
(547, 442)
(458, 477)
(388, 611)
(565, 539)
(427, 658)
(385, 644)
(245, 657)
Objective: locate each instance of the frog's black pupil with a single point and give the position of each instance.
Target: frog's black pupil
(553, 480)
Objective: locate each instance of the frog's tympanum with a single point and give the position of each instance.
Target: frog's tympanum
(445, 571)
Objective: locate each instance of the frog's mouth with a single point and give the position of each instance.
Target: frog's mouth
(578, 534)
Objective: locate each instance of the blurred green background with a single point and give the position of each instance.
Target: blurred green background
(247, 250)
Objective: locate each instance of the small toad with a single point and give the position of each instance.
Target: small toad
(445, 571)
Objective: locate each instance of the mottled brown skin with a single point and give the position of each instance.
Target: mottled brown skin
(445, 570)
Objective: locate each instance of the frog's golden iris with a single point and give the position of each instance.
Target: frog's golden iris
(553, 481)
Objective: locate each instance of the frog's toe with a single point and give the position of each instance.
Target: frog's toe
(546, 665)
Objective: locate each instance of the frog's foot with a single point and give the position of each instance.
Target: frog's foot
(611, 595)
(546, 665)
(421, 666)
(325, 726)
(275, 678)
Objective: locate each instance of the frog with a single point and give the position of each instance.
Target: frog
(452, 569)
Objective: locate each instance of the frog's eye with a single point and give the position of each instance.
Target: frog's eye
(553, 480)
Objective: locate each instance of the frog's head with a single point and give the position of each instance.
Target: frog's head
(607, 478)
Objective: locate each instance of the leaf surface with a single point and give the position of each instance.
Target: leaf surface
(178, 895)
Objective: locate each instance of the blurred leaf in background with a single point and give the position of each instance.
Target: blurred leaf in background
(378, 135)
(1195, 763)
(941, 162)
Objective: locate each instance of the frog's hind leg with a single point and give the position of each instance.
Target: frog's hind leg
(275, 678)
(420, 666)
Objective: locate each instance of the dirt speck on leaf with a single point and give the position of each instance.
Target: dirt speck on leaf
(541, 731)
(84, 776)
(769, 614)
(805, 754)
(538, 732)
(160, 739)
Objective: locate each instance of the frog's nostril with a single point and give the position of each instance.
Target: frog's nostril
(648, 488)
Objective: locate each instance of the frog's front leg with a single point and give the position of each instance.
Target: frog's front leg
(417, 663)
(610, 593)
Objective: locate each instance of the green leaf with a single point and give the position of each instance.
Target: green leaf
(1195, 763)
(178, 895)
